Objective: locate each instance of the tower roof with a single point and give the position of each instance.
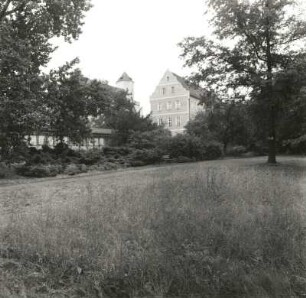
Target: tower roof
(125, 78)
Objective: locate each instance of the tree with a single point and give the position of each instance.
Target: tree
(255, 41)
(122, 116)
(227, 122)
(26, 27)
(71, 99)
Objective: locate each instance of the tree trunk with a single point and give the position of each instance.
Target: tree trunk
(272, 151)
(270, 97)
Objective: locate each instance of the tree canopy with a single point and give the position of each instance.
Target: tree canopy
(255, 45)
(26, 28)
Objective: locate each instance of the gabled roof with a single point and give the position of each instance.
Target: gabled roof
(125, 78)
(194, 92)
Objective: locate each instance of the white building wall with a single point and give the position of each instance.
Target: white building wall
(171, 100)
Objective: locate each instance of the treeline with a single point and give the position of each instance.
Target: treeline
(238, 125)
(253, 68)
(62, 102)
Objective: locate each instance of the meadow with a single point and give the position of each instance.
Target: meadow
(211, 229)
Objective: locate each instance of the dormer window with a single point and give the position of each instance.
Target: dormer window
(168, 79)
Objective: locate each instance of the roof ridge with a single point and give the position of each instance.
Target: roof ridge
(196, 92)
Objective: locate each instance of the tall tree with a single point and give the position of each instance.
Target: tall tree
(26, 27)
(254, 41)
(71, 99)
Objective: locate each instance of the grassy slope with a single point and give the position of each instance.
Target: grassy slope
(226, 228)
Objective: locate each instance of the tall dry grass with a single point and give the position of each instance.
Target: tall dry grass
(195, 232)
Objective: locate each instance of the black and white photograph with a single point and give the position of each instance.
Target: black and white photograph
(152, 148)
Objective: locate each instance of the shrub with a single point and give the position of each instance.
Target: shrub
(236, 151)
(213, 150)
(149, 139)
(60, 148)
(296, 146)
(38, 171)
(188, 146)
(91, 157)
(73, 169)
(147, 156)
(123, 151)
(182, 159)
(41, 157)
(4, 170)
(137, 163)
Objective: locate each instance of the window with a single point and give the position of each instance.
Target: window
(159, 107)
(178, 121)
(160, 121)
(169, 121)
(163, 91)
(169, 105)
(172, 90)
(167, 79)
(177, 104)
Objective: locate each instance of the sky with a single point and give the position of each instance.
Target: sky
(139, 37)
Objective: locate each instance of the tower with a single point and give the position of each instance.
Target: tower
(126, 83)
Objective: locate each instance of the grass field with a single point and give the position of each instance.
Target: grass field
(233, 228)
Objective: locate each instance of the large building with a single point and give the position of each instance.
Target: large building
(174, 103)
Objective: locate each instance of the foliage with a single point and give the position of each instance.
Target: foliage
(146, 156)
(73, 169)
(213, 150)
(39, 170)
(26, 28)
(254, 41)
(122, 116)
(295, 146)
(156, 138)
(236, 151)
(71, 98)
(226, 122)
(193, 147)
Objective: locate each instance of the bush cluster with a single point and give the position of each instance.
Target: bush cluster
(142, 149)
(39, 170)
(295, 146)
(194, 148)
(236, 151)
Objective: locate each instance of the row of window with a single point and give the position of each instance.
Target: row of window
(164, 90)
(169, 121)
(39, 140)
(169, 105)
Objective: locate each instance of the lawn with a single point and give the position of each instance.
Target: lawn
(232, 228)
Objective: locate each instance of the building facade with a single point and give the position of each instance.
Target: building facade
(174, 103)
(99, 138)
